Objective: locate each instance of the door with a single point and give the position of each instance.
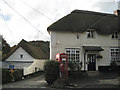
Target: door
(91, 62)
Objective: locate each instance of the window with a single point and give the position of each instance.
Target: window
(21, 55)
(78, 36)
(115, 54)
(115, 35)
(73, 54)
(90, 34)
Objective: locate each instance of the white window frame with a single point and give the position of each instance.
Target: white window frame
(73, 54)
(78, 36)
(91, 34)
(115, 54)
(22, 56)
(115, 35)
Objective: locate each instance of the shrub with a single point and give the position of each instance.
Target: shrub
(114, 66)
(73, 66)
(51, 71)
(6, 77)
(61, 83)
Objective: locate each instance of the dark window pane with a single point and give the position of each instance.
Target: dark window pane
(112, 35)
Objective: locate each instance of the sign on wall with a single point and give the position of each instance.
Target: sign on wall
(11, 66)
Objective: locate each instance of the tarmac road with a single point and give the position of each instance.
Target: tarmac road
(104, 80)
(37, 81)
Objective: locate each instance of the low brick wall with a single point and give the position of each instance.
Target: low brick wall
(108, 68)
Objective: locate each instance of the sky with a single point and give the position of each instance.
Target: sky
(29, 19)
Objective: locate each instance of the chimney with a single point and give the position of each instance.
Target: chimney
(117, 12)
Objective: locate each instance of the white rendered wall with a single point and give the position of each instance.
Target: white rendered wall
(62, 40)
(16, 56)
(36, 64)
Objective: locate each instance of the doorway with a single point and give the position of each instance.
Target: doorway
(91, 58)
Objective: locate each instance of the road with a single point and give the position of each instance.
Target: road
(104, 80)
(38, 81)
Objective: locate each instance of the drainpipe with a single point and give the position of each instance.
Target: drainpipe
(84, 61)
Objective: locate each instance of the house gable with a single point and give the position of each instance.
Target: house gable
(36, 51)
(20, 55)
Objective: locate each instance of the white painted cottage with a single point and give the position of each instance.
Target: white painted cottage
(29, 56)
(88, 37)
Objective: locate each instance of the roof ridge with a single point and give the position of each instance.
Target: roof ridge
(38, 45)
(25, 42)
(77, 21)
(91, 12)
(30, 49)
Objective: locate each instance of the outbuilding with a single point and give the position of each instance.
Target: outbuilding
(29, 56)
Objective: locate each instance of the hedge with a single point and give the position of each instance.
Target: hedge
(51, 71)
(6, 77)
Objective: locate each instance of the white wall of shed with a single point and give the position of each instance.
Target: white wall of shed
(39, 63)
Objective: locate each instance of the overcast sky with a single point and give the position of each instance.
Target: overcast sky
(29, 19)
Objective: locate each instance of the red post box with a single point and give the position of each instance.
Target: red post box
(63, 60)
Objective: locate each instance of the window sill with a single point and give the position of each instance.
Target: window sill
(115, 39)
(91, 38)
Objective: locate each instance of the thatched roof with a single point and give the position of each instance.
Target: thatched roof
(37, 51)
(80, 21)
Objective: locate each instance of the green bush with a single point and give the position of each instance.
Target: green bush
(114, 66)
(73, 66)
(6, 77)
(51, 71)
(61, 83)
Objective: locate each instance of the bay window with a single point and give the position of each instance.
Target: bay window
(73, 54)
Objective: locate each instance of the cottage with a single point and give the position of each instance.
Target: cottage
(88, 37)
(29, 56)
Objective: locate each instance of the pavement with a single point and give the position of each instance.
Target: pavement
(101, 80)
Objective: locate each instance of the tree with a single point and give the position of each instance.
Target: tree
(5, 48)
(0, 47)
